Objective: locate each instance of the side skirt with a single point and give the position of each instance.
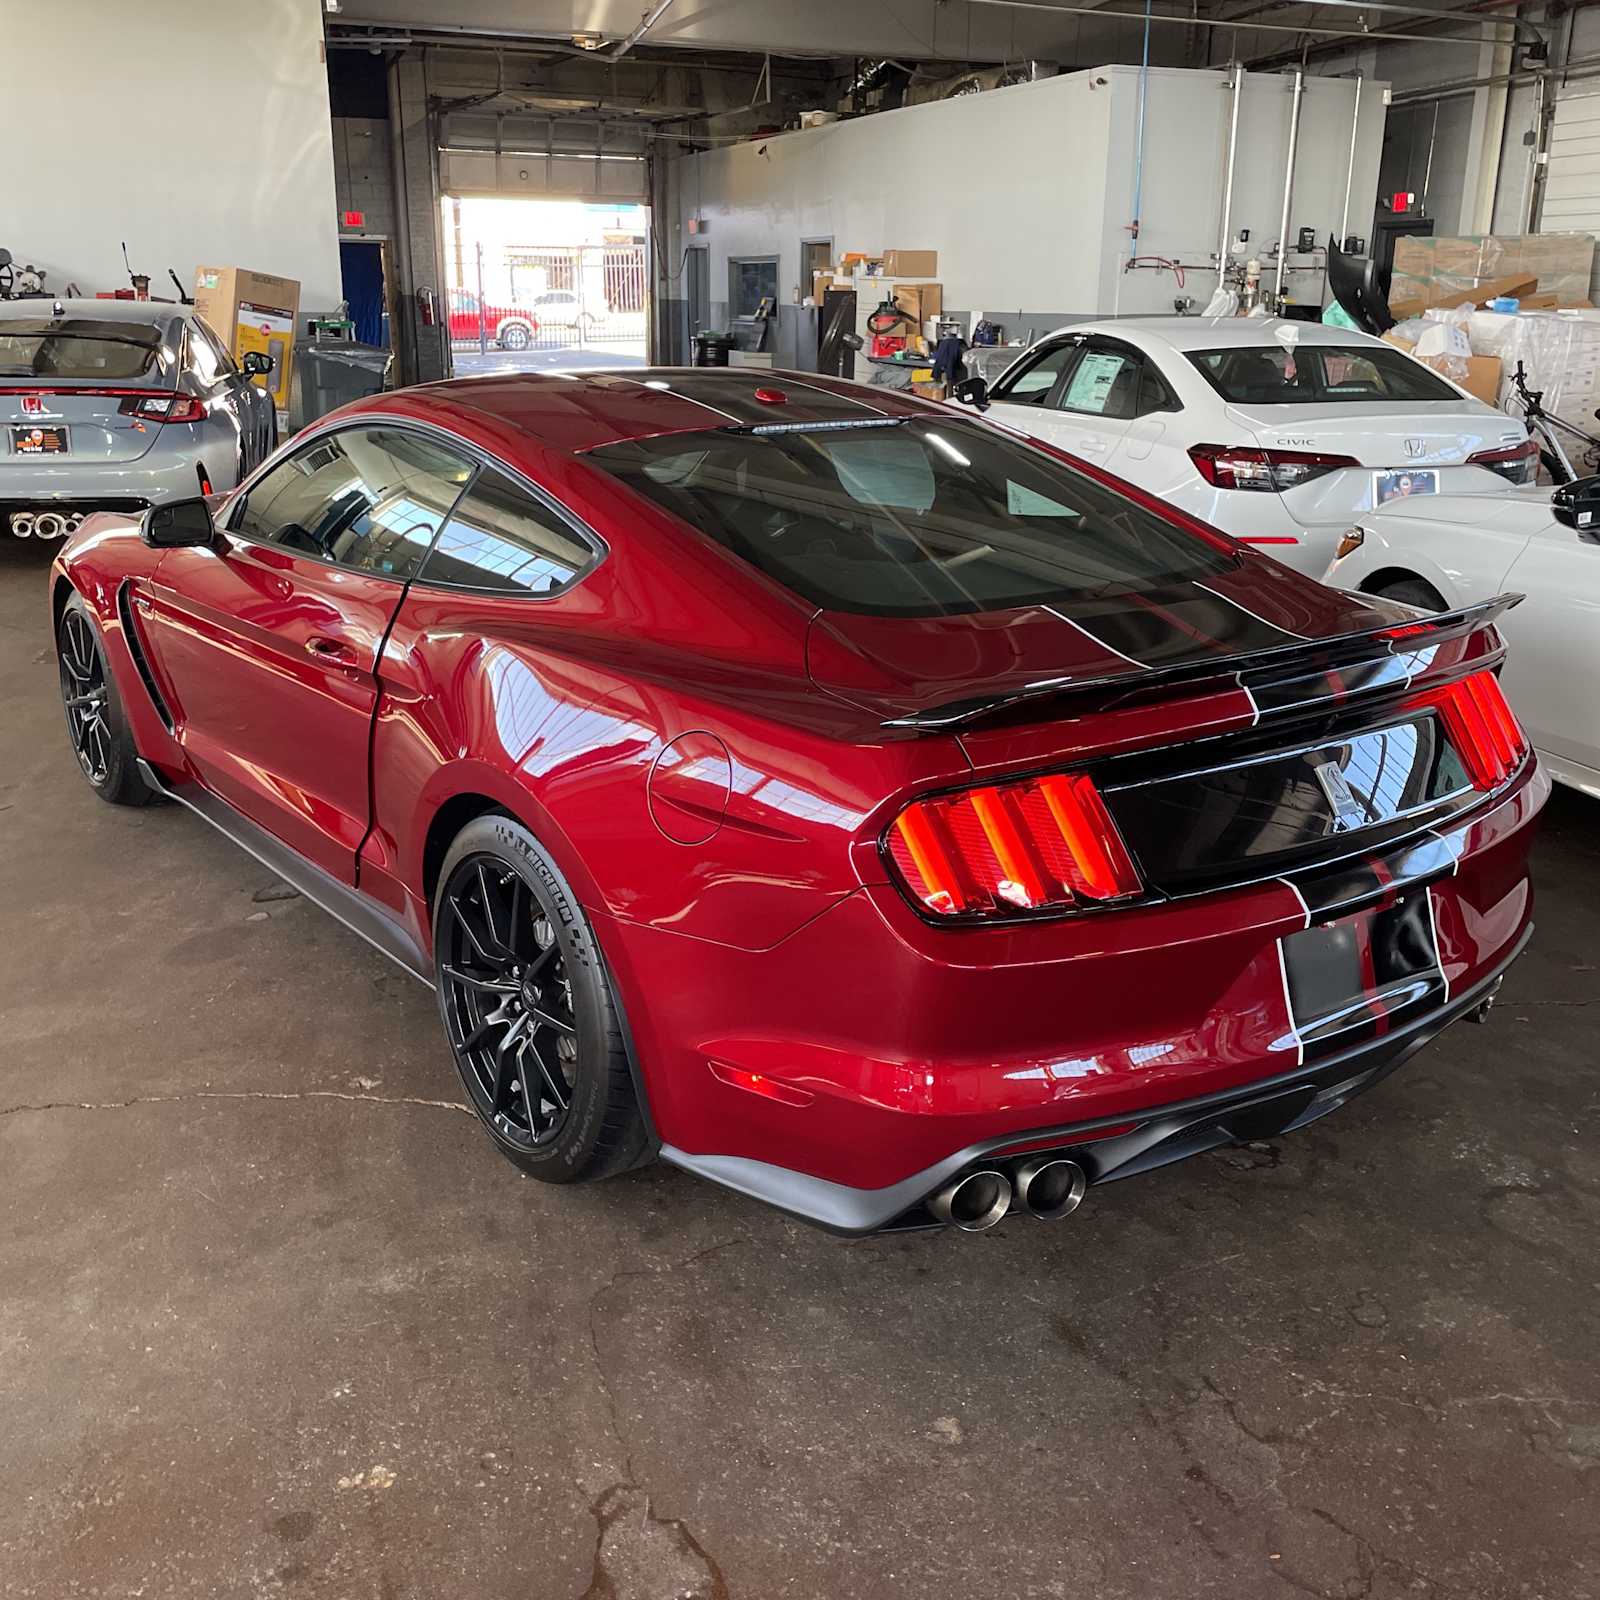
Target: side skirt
(343, 903)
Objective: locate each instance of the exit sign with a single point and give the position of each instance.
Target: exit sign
(355, 219)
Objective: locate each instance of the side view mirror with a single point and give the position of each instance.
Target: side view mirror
(973, 392)
(1578, 506)
(177, 524)
(256, 363)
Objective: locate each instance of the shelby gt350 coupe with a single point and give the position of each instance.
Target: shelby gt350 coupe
(837, 796)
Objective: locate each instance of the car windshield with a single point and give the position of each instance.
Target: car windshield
(910, 519)
(1320, 374)
(77, 348)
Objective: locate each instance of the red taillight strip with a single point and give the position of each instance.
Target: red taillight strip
(1036, 845)
(1005, 839)
(1507, 453)
(1091, 836)
(1481, 726)
(940, 888)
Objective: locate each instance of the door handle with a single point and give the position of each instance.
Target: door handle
(335, 650)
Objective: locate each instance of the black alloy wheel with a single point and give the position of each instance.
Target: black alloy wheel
(528, 1009)
(85, 696)
(507, 1002)
(95, 723)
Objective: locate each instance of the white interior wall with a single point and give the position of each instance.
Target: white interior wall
(199, 134)
(1035, 186)
(1015, 173)
(1185, 170)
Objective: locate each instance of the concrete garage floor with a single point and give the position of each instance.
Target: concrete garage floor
(275, 1320)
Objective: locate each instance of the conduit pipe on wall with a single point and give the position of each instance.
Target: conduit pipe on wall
(1225, 240)
(1350, 171)
(1288, 180)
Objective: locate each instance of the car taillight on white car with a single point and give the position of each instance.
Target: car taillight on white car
(1517, 463)
(1241, 467)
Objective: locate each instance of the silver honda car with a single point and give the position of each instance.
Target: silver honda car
(115, 405)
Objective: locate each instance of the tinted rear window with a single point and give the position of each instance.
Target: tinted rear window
(77, 348)
(914, 519)
(1323, 374)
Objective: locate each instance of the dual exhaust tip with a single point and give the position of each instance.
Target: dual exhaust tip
(1047, 1187)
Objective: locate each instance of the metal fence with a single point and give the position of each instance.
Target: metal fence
(550, 297)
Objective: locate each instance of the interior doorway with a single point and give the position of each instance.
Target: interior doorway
(697, 290)
(363, 278)
(539, 285)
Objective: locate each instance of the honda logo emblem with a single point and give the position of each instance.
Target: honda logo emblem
(1416, 447)
(33, 405)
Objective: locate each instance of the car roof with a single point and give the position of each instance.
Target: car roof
(578, 411)
(1219, 333)
(156, 311)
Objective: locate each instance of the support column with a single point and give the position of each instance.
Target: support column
(1484, 140)
(423, 352)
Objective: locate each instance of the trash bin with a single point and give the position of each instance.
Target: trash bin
(711, 349)
(330, 372)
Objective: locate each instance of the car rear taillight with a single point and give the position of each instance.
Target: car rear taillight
(1482, 728)
(1517, 463)
(1039, 845)
(1237, 467)
(161, 405)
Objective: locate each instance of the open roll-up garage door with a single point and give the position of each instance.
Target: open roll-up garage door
(534, 157)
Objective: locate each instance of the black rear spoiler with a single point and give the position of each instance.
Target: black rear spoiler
(1277, 679)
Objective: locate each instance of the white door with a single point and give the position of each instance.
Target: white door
(1087, 409)
(1553, 643)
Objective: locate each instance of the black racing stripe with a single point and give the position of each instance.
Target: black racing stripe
(1173, 626)
(1308, 688)
(1345, 886)
(732, 392)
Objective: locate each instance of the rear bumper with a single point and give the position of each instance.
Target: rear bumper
(841, 1072)
(1107, 1148)
(79, 490)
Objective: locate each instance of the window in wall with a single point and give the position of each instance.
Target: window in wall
(751, 279)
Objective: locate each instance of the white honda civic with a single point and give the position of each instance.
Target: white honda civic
(1280, 433)
(1444, 551)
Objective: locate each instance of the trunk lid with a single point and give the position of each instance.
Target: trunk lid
(1338, 758)
(1382, 436)
(63, 379)
(85, 417)
(908, 667)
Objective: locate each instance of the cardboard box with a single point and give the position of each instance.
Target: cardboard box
(910, 263)
(922, 300)
(931, 391)
(1431, 269)
(1478, 294)
(252, 311)
(1482, 381)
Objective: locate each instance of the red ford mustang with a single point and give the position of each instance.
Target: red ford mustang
(843, 799)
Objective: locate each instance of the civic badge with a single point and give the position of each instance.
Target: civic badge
(1348, 811)
(1416, 447)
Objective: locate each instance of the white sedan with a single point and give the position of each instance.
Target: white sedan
(1280, 433)
(1442, 551)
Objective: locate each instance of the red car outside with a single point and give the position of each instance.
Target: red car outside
(511, 327)
(844, 799)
